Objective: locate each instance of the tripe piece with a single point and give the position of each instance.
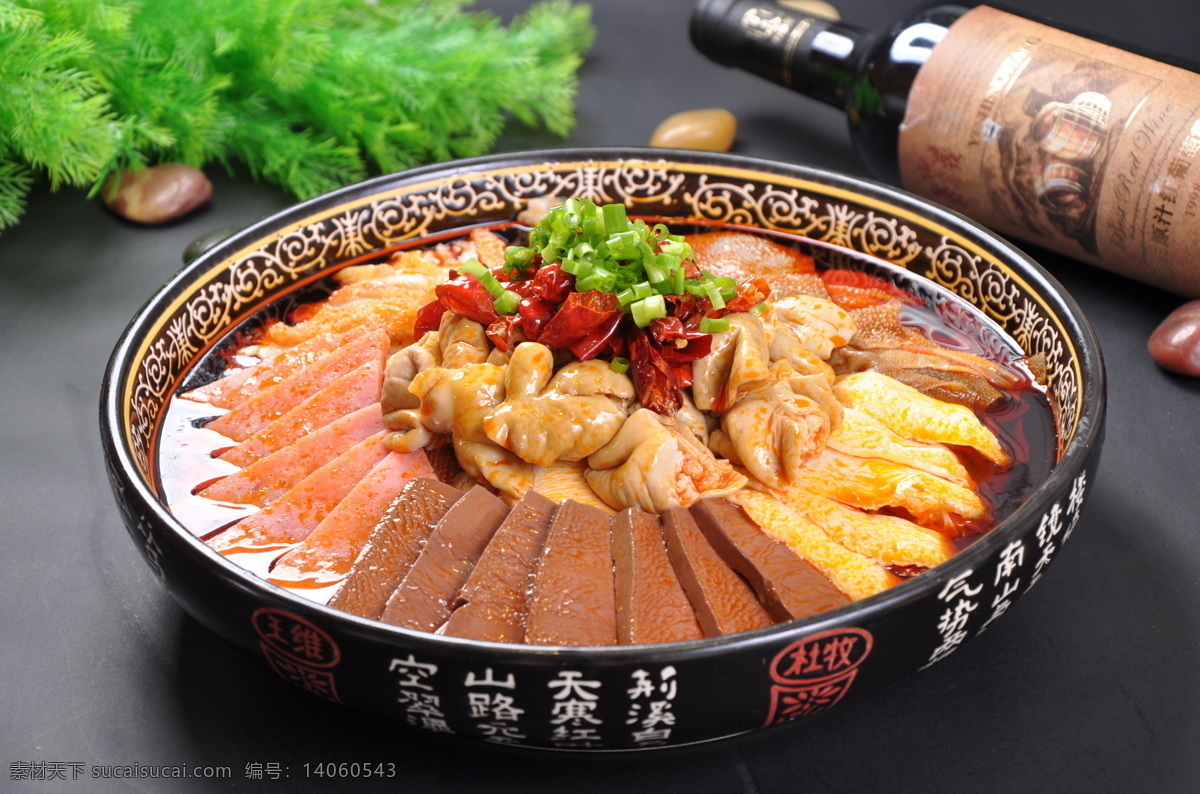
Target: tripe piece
(394, 546)
(424, 598)
(573, 601)
(914, 415)
(788, 586)
(651, 604)
(493, 604)
(723, 602)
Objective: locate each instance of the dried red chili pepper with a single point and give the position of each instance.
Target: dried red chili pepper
(429, 318)
(501, 331)
(686, 306)
(750, 293)
(467, 297)
(551, 283)
(581, 314)
(535, 313)
(595, 342)
(654, 378)
(678, 344)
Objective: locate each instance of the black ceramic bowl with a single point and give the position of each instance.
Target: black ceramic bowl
(617, 697)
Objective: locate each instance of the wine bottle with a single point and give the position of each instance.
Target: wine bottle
(1042, 134)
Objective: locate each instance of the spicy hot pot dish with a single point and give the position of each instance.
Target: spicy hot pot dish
(604, 449)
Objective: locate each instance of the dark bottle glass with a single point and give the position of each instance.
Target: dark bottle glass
(867, 74)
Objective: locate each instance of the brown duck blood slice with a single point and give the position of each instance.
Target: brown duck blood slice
(723, 602)
(1175, 344)
(324, 557)
(268, 404)
(267, 479)
(573, 601)
(424, 598)
(298, 512)
(393, 547)
(345, 395)
(276, 365)
(651, 604)
(493, 604)
(788, 586)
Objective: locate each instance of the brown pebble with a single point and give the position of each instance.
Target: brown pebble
(1175, 344)
(157, 194)
(709, 130)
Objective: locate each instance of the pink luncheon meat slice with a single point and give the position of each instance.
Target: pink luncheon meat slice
(326, 555)
(345, 395)
(300, 510)
(267, 479)
(272, 402)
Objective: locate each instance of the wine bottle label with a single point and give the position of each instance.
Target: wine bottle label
(1061, 141)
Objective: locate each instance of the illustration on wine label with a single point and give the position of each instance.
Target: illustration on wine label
(1080, 147)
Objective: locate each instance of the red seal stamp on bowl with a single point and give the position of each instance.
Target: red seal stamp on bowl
(813, 674)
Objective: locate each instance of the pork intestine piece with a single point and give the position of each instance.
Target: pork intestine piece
(739, 356)
(802, 330)
(654, 464)
(772, 430)
(820, 325)
(810, 376)
(458, 341)
(454, 404)
(547, 416)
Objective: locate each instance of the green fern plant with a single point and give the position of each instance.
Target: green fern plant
(307, 94)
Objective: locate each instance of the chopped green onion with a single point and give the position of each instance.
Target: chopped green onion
(677, 281)
(758, 308)
(727, 286)
(714, 296)
(622, 245)
(710, 325)
(648, 309)
(679, 250)
(604, 250)
(491, 284)
(654, 273)
(615, 220)
(518, 257)
(668, 262)
(507, 302)
(485, 277)
(473, 267)
(597, 278)
(619, 365)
